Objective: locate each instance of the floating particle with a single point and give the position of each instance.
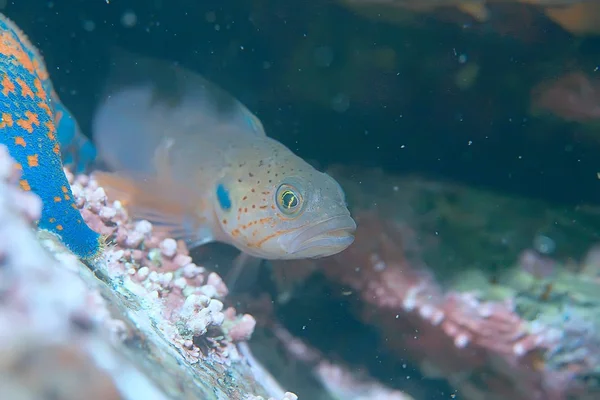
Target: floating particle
(340, 102)
(89, 25)
(544, 244)
(210, 17)
(129, 19)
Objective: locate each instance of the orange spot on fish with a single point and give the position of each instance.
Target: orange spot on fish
(269, 237)
(52, 220)
(18, 166)
(56, 148)
(40, 70)
(7, 86)
(224, 222)
(32, 161)
(7, 120)
(235, 232)
(245, 209)
(262, 221)
(57, 199)
(46, 108)
(59, 227)
(39, 89)
(24, 185)
(74, 205)
(27, 124)
(10, 47)
(245, 198)
(20, 141)
(25, 89)
(51, 130)
(64, 189)
(67, 197)
(263, 207)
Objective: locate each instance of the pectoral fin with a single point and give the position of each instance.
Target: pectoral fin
(174, 210)
(243, 273)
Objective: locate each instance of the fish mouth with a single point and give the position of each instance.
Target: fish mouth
(326, 238)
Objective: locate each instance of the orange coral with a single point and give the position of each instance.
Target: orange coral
(579, 17)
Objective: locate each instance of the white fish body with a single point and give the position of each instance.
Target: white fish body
(191, 158)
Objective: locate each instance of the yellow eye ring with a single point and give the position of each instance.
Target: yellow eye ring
(289, 200)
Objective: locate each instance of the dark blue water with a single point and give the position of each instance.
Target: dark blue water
(250, 49)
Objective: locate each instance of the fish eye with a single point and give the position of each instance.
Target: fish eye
(289, 200)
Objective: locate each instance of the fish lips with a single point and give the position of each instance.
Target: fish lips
(325, 238)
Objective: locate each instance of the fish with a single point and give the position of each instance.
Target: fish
(186, 155)
(28, 128)
(77, 151)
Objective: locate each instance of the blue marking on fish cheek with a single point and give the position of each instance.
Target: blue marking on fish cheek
(223, 197)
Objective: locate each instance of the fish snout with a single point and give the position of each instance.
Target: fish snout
(324, 238)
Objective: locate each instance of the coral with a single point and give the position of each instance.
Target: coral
(529, 331)
(573, 97)
(457, 335)
(152, 323)
(186, 298)
(29, 124)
